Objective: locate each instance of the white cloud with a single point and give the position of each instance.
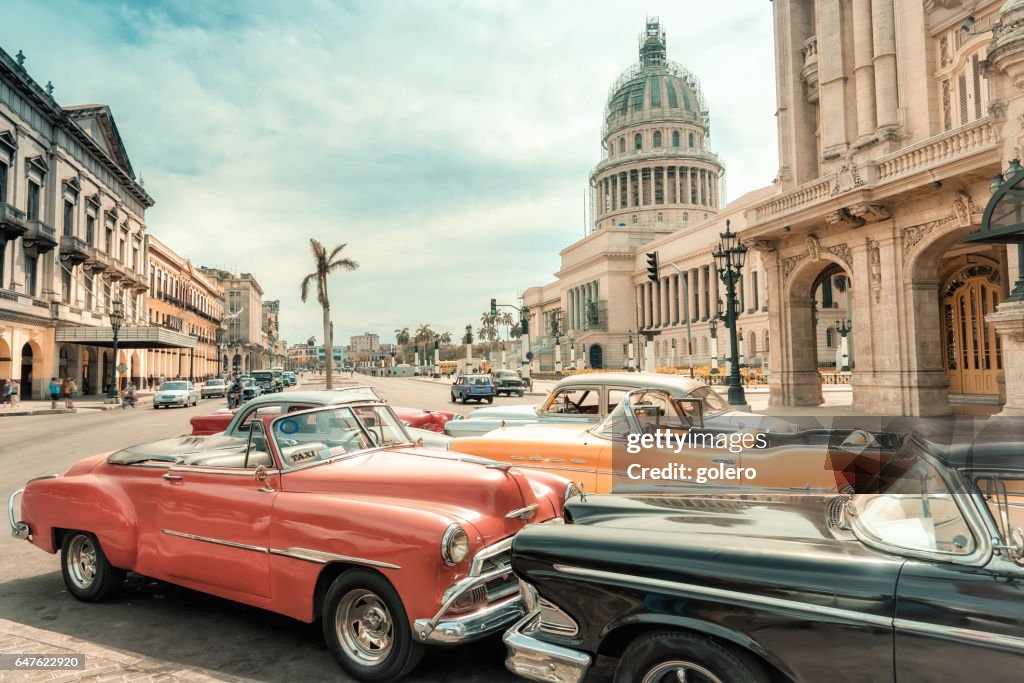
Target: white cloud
(448, 143)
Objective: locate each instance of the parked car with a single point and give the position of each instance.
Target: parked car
(330, 514)
(475, 387)
(597, 458)
(178, 393)
(234, 421)
(213, 388)
(587, 399)
(508, 382)
(290, 379)
(918, 570)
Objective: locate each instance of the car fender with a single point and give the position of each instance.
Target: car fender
(652, 621)
(86, 503)
(399, 539)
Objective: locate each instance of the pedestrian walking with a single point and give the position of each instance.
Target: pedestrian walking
(70, 389)
(54, 393)
(15, 393)
(5, 395)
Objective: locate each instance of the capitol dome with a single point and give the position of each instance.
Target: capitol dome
(657, 172)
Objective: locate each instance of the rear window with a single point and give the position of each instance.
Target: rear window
(215, 383)
(173, 386)
(262, 375)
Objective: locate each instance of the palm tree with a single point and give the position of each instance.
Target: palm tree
(445, 338)
(325, 265)
(402, 338)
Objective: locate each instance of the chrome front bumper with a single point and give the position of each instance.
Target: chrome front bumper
(540, 661)
(20, 529)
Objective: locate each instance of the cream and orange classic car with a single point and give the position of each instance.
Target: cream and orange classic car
(599, 456)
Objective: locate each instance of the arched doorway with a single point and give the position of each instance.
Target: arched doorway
(31, 360)
(236, 364)
(136, 369)
(6, 369)
(596, 359)
(970, 346)
(87, 372)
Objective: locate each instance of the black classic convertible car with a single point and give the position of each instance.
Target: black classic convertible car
(914, 573)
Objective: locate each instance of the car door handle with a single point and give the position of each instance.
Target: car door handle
(266, 489)
(724, 461)
(172, 477)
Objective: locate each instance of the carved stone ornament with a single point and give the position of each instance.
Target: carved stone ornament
(871, 212)
(842, 252)
(844, 217)
(875, 268)
(813, 246)
(847, 178)
(761, 245)
(913, 235)
(789, 264)
(930, 5)
(966, 211)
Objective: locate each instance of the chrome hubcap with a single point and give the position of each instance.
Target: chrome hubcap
(81, 561)
(364, 627)
(680, 671)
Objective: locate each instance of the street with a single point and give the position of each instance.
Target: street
(157, 630)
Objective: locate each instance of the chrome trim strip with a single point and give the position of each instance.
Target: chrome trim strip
(217, 541)
(953, 633)
(487, 553)
(20, 529)
(764, 600)
(456, 591)
(321, 557)
(233, 471)
(523, 513)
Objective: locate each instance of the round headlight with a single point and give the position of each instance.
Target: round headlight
(454, 545)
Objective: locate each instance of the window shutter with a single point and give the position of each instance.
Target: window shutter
(962, 88)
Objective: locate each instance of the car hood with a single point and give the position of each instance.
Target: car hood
(468, 489)
(504, 413)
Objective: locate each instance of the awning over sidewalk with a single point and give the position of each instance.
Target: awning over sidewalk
(127, 338)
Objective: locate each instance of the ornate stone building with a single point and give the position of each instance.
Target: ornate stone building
(893, 118)
(72, 241)
(243, 340)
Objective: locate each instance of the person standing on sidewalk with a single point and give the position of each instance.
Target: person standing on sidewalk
(15, 392)
(70, 388)
(54, 393)
(5, 396)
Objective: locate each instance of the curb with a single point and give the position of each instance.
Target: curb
(40, 411)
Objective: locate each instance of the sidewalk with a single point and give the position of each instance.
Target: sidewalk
(81, 403)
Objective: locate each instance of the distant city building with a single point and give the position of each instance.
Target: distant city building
(301, 356)
(338, 356)
(242, 343)
(184, 300)
(364, 343)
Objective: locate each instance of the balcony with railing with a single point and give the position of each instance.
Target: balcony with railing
(73, 250)
(40, 238)
(12, 222)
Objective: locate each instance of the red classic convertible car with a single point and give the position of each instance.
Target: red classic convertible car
(430, 420)
(330, 512)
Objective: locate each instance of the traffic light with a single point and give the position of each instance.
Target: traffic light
(652, 266)
(494, 307)
(437, 345)
(524, 325)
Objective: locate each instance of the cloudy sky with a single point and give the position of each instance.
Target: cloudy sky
(447, 143)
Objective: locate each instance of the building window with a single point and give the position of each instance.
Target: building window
(33, 201)
(90, 229)
(3, 182)
(689, 139)
(964, 88)
(753, 282)
(636, 219)
(622, 145)
(828, 338)
(69, 218)
(657, 138)
(661, 217)
(110, 241)
(675, 138)
(638, 141)
(65, 285)
(31, 265)
(686, 215)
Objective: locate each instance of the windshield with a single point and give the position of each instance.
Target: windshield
(174, 386)
(713, 403)
(901, 500)
(336, 430)
(478, 380)
(262, 375)
(215, 383)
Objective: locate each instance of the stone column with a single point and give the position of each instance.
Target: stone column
(864, 69)
(675, 299)
(702, 288)
(1008, 322)
(629, 189)
(884, 35)
(832, 75)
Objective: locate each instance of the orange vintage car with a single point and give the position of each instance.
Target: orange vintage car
(331, 512)
(598, 458)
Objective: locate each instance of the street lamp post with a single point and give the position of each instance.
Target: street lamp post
(713, 328)
(729, 258)
(116, 318)
(844, 327)
(629, 352)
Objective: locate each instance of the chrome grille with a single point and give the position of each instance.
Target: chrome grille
(834, 513)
